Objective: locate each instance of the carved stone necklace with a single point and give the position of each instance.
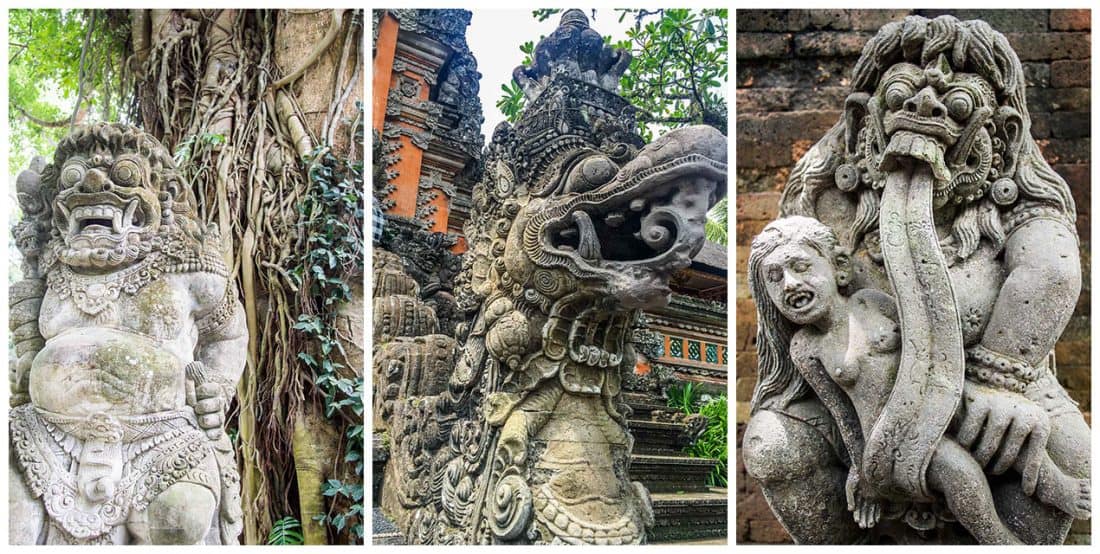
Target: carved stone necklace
(93, 293)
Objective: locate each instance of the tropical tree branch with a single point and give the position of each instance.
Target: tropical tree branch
(38, 120)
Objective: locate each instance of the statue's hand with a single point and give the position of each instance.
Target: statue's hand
(865, 509)
(1006, 422)
(210, 409)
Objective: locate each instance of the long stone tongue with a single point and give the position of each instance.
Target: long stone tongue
(589, 244)
(930, 376)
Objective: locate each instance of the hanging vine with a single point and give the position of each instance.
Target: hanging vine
(332, 219)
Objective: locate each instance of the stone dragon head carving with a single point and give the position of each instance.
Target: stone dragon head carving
(576, 225)
(110, 197)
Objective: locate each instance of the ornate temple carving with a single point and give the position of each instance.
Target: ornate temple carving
(909, 298)
(516, 432)
(130, 341)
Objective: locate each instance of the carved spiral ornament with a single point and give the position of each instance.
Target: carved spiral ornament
(552, 283)
(658, 229)
(511, 508)
(1004, 192)
(847, 177)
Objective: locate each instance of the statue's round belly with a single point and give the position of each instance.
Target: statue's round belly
(100, 370)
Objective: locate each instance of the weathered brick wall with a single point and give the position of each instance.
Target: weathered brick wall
(793, 69)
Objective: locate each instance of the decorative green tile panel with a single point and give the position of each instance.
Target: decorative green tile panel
(675, 347)
(712, 353)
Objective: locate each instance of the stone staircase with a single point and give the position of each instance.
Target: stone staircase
(685, 508)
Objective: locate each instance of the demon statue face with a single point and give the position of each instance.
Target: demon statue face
(115, 193)
(576, 226)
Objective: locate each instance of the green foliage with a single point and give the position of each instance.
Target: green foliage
(512, 102)
(684, 398)
(44, 77)
(679, 71)
(717, 229)
(714, 442)
(184, 148)
(331, 217)
(286, 531)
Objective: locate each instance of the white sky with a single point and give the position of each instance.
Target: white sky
(494, 37)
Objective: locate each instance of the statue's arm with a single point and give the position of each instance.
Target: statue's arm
(225, 349)
(1039, 293)
(1032, 309)
(220, 352)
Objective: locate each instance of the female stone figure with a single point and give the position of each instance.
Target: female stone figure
(853, 343)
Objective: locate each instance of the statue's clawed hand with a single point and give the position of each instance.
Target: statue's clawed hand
(866, 509)
(210, 409)
(1008, 423)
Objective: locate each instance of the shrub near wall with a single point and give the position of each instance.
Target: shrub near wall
(793, 70)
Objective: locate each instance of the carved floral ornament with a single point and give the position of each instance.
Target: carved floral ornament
(895, 316)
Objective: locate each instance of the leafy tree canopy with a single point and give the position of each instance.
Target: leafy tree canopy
(64, 66)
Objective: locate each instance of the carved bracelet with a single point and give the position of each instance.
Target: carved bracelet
(999, 370)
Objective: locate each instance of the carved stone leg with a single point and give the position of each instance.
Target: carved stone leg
(182, 514)
(1070, 444)
(26, 514)
(1029, 519)
(955, 473)
(1069, 447)
(802, 478)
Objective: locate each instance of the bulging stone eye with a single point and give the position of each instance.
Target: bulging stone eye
(125, 172)
(897, 93)
(591, 173)
(959, 105)
(73, 172)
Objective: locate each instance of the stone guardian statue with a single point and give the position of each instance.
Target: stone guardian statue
(130, 340)
(576, 227)
(939, 199)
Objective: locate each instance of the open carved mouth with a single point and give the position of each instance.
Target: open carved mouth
(102, 215)
(916, 146)
(630, 232)
(641, 224)
(799, 300)
(97, 220)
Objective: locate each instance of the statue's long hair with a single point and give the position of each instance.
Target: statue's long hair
(971, 46)
(778, 381)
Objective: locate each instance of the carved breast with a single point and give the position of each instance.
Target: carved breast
(158, 310)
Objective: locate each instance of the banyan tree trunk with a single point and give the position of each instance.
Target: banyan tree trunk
(241, 96)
